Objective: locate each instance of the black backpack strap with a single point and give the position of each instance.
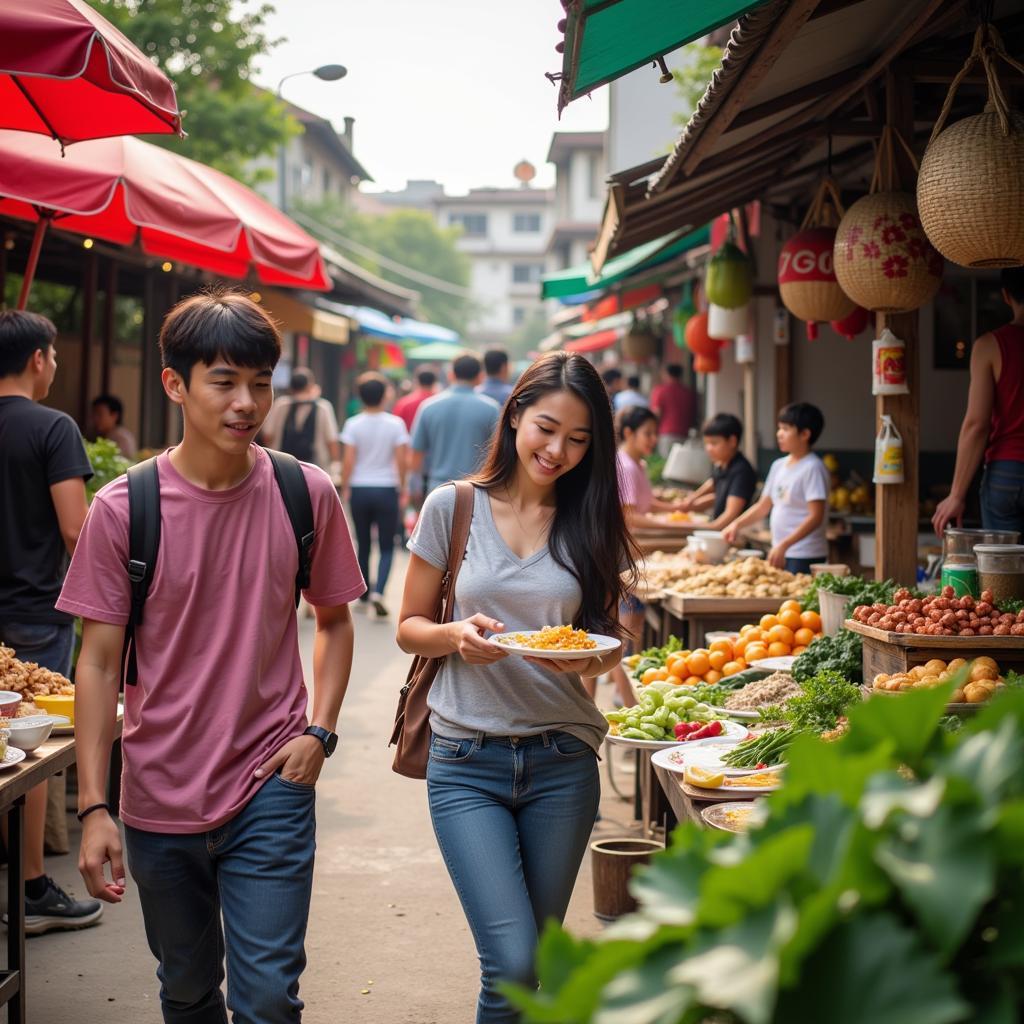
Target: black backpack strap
(294, 490)
(143, 546)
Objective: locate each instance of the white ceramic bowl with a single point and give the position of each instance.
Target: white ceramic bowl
(9, 701)
(28, 733)
(714, 545)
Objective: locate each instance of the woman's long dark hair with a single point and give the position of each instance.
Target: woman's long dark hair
(588, 533)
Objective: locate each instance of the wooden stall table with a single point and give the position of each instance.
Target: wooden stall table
(49, 758)
(700, 615)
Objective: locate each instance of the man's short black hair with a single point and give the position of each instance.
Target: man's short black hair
(218, 325)
(113, 403)
(426, 378)
(610, 376)
(1012, 281)
(302, 378)
(633, 382)
(371, 388)
(723, 425)
(675, 371)
(495, 360)
(21, 335)
(803, 416)
(466, 368)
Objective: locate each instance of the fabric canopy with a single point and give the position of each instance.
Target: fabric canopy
(593, 342)
(296, 316)
(127, 191)
(68, 73)
(437, 351)
(606, 39)
(579, 280)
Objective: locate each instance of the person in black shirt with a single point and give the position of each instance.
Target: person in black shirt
(43, 469)
(730, 489)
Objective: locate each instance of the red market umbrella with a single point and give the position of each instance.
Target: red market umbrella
(594, 342)
(68, 73)
(127, 191)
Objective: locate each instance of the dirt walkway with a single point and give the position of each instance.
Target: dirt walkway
(387, 942)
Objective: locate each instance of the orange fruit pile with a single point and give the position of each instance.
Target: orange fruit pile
(788, 631)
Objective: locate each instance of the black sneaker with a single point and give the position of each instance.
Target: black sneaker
(379, 606)
(56, 910)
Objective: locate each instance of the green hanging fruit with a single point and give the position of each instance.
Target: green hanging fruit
(730, 277)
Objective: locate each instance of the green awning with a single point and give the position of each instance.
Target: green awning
(606, 39)
(581, 279)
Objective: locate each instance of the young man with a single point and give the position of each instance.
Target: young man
(219, 764)
(730, 488)
(631, 396)
(452, 429)
(993, 426)
(304, 425)
(496, 384)
(676, 406)
(108, 422)
(43, 469)
(795, 493)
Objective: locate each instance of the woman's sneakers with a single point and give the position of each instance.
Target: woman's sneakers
(55, 910)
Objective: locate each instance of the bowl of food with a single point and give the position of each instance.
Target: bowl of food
(28, 733)
(58, 704)
(9, 701)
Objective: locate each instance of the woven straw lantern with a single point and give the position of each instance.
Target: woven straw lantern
(807, 279)
(640, 342)
(971, 187)
(883, 259)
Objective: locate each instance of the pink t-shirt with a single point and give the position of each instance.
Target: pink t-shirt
(220, 681)
(634, 485)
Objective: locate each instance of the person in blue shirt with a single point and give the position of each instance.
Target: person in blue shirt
(496, 385)
(453, 429)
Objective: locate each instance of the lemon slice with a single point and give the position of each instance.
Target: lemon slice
(703, 778)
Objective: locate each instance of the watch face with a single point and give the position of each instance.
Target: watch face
(331, 743)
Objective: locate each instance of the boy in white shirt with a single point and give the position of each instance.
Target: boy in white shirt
(795, 493)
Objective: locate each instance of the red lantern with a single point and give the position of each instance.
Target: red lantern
(699, 342)
(707, 364)
(849, 327)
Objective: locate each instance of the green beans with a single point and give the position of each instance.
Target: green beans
(767, 749)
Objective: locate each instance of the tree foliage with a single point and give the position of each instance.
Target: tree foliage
(408, 237)
(692, 79)
(208, 47)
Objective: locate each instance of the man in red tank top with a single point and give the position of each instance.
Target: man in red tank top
(993, 426)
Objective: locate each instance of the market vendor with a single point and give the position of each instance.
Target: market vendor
(730, 488)
(993, 426)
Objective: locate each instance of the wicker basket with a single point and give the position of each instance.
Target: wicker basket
(640, 343)
(971, 187)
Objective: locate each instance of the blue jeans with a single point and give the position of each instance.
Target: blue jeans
(803, 565)
(512, 818)
(375, 505)
(1002, 496)
(257, 871)
(49, 644)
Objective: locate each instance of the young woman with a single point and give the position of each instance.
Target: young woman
(512, 779)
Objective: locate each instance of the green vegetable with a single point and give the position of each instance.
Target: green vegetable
(1011, 604)
(860, 590)
(767, 749)
(841, 654)
(107, 463)
(825, 698)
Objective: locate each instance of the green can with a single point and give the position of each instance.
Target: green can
(962, 578)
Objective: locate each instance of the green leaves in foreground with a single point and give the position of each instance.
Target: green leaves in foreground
(885, 886)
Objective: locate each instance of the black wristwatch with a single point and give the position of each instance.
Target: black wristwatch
(328, 740)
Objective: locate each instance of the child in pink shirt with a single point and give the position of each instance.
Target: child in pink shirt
(220, 759)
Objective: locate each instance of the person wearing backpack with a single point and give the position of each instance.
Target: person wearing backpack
(304, 425)
(220, 759)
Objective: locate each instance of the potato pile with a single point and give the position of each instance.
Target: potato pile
(942, 615)
(747, 577)
(28, 679)
(983, 679)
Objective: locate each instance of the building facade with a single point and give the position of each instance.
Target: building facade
(580, 172)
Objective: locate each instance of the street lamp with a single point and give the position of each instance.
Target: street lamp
(326, 73)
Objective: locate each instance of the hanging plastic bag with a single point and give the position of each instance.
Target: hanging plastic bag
(888, 454)
(889, 365)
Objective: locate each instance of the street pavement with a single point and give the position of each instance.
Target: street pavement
(387, 941)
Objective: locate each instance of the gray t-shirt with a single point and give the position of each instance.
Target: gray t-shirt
(512, 697)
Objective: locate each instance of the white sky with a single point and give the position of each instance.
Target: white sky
(452, 90)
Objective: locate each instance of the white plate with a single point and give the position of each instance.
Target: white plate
(604, 645)
(747, 716)
(706, 754)
(754, 789)
(783, 664)
(68, 729)
(626, 741)
(12, 757)
(714, 814)
(733, 734)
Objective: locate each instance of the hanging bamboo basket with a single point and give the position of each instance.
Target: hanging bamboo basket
(640, 343)
(883, 259)
(971, 187)
(806, 273)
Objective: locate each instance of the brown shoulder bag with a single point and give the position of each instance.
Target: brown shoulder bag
(411, 735)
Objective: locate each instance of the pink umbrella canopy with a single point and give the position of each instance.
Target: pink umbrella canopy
(66, 72)
(127, 191)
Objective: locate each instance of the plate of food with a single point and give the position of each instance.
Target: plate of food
(12, 757)
(763, 780)
(63, 726)
(734, 816)
(704, 754)
(782, 664)
(560, 643)
(731, 733)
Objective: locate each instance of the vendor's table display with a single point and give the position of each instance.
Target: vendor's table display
(702, 615)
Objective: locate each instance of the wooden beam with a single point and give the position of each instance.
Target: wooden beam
(781, 35)
(802, 94)
(89, 282)
(109, 324)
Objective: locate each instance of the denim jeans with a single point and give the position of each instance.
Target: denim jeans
(802, 565)
(1002, 496)
(256, 871)
(375, 505)
(512, 818)
(49, 644)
